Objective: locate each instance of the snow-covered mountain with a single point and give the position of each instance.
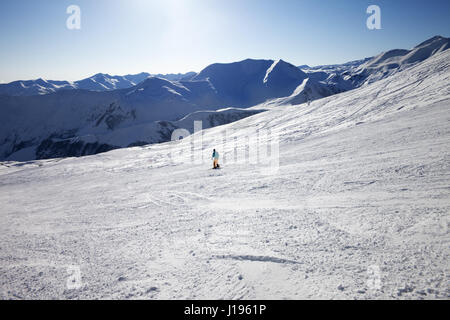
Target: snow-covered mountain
(80, 122)
(175, 76)
(326, 80)
(341, 68)
(98, 82)
(86, 142)
(358, 208)
(112, 112)
(34, 87)
(105, 82)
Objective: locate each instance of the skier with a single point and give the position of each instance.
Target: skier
(215, 157)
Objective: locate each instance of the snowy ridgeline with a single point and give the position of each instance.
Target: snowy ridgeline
(98, 82)
(358, 208)
(121, 111)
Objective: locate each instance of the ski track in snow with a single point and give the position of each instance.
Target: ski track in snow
(363, 182)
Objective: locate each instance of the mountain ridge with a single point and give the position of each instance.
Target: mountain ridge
(28, 121)
(97, 82)
(352, 202)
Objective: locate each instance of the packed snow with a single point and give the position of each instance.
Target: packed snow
(30, 125)
(358, 208)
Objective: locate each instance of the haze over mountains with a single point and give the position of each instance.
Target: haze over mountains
(45, 119)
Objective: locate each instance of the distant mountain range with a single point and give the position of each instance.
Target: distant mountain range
(98, 82)
(354, 74)
(45, 119)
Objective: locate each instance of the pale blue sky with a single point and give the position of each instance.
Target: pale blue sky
(166, 36)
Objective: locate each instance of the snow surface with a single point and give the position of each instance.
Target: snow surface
(359, 207)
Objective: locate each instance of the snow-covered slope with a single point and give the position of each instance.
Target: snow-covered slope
(358, 209)
(32, 125)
